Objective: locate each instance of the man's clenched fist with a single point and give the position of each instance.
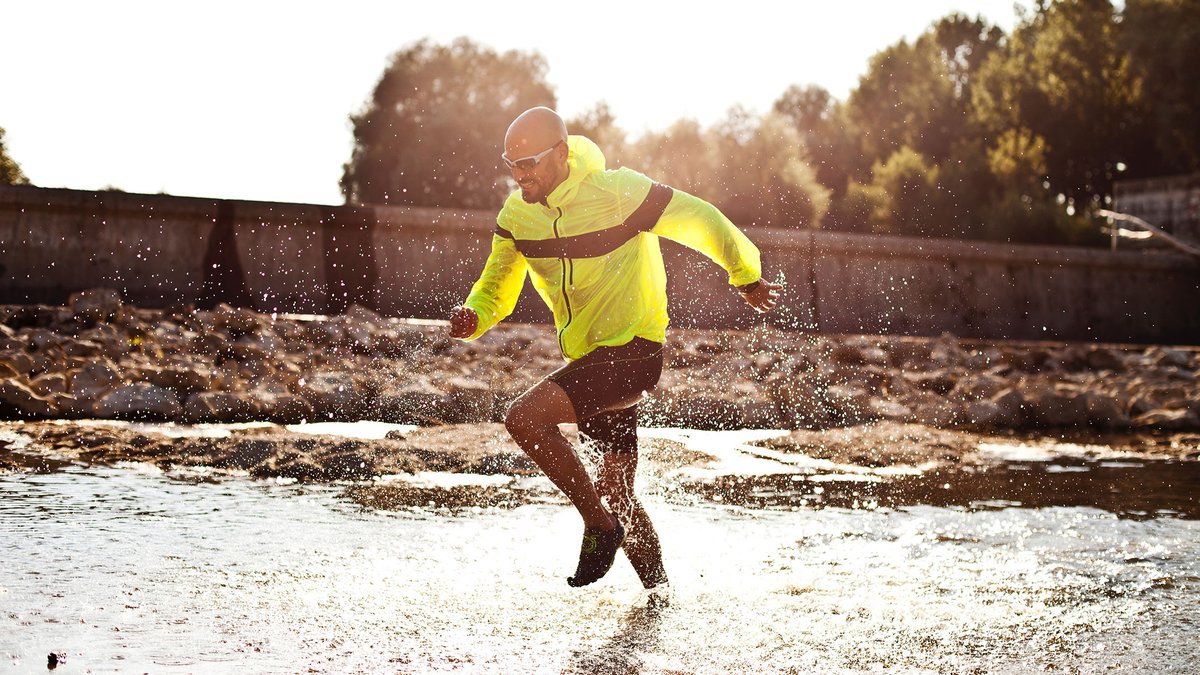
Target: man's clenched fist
(463, 322)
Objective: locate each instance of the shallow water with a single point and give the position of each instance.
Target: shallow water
(129, 569)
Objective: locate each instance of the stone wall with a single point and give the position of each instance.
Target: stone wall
(159, 250)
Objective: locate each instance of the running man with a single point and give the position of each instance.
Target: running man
(582, 233)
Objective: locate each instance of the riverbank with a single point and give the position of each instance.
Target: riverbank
(100, 358)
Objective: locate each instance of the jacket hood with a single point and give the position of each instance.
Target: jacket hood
(583, 159)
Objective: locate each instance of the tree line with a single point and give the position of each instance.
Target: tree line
(965, 132)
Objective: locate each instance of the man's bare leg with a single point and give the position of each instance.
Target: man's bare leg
(533, 421)
(642, 547)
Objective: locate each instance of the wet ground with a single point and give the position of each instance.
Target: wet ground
(1031, 557)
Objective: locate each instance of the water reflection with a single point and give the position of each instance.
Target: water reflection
(623, 653)
(1144, 489)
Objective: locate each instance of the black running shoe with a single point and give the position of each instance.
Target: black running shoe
(597, 554)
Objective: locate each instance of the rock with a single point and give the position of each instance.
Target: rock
(1103, 358)
(937, 381)
(931, 409)
(468, 400)
(978, 387)
(234, 320)
(220, 406)
(138, 400)
(96, 304)
(282, 407)
(1105, 410)
(417, 402)
(333, 395)
(848, 405)
(1168, 357)
(15, 394)
(947, 351)
(184, 379)
(359, 314)
(1168, 420)
(47, 384)
(1053, 407)
(41, 338)
(891, 410)
(94, 379)
(16, 362)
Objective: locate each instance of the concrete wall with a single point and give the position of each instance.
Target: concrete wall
(159, 250)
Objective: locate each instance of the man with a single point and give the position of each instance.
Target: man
(582, 233)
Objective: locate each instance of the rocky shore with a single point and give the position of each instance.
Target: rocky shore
(100, 358)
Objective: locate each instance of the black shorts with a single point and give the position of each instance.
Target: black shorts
(605, 387)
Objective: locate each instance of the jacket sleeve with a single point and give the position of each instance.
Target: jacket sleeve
(495, 295)
(695, 223)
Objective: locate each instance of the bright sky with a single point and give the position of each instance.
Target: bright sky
(250, 100)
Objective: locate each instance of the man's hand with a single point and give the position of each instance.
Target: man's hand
(463, 322)
(762, 295)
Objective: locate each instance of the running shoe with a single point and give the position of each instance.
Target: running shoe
(597, 553)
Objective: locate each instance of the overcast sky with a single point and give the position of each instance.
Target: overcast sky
(249, 100)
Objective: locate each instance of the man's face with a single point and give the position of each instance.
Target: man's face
(536, 179)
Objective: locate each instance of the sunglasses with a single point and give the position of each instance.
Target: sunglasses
(527, 163)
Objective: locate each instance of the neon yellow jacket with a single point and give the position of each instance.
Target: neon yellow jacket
(608, 299)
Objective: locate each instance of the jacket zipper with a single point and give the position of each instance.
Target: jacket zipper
(567, 277)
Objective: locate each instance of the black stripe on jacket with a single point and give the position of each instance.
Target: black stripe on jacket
(600, 242)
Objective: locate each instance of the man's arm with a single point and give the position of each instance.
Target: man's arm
(494, 296)
(695, 223)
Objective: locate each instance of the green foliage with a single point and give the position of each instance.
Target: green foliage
(755, 169)
(600, 125)
(430, 135)
(1062, 78)
(905, 192)
(919, 95)
(10, 171)
(1036, 219)
(1162, 38)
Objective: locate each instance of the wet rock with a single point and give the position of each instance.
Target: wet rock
(27, 402)
(891, 410)
(937, 381)
(183, 379)
(468, 400)
(138, 400)
(220, 406)
(1103, 358)
(282, 407)
(333, 395)
(236, 321)
(947, 351)
(417, 402)
(1180, 419)
(1050, 406)
(848, 405)
(978, 387)
(1167, 357)
(94, 379)
(929, 408)
(48, 384)
(13, 362)
(96, 304)
(1105, 410)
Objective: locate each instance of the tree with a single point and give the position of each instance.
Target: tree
(430, 134)
(599, 124)
(919, 95)
(1162, 39)
(903, 194)
(1062, 78)
(10, 171)
(832, 145)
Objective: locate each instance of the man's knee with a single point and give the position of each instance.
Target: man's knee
(519, 420)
